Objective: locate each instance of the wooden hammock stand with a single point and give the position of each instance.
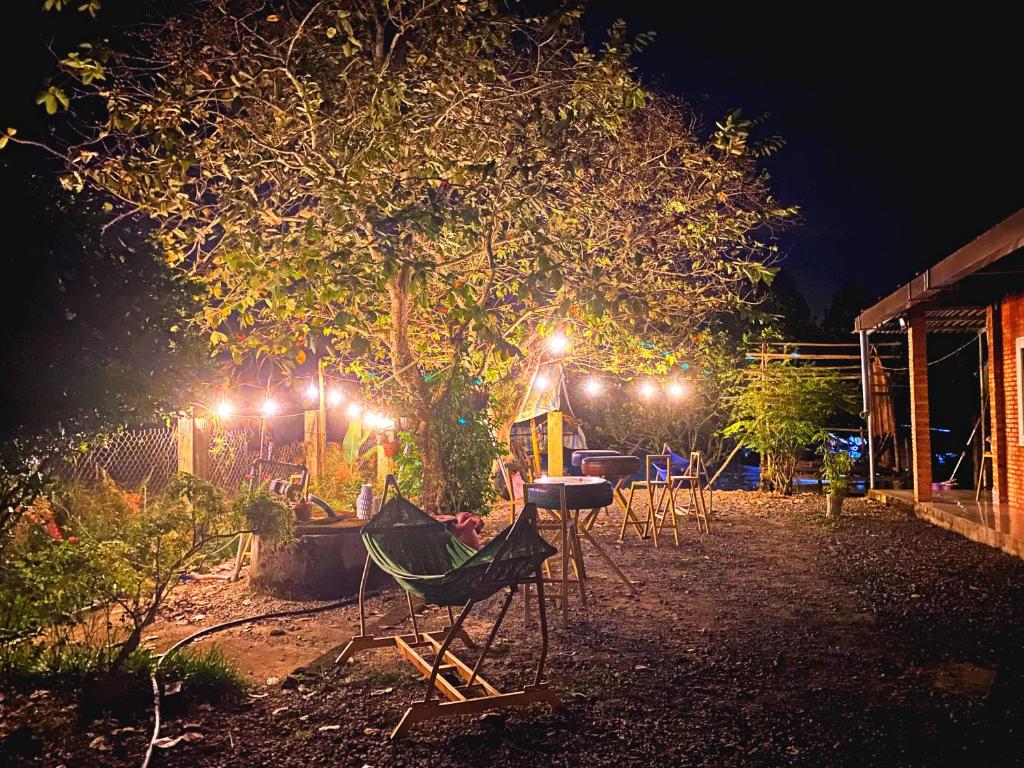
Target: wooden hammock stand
(465, 691)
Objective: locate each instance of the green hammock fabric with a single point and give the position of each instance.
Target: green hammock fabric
(425, 559)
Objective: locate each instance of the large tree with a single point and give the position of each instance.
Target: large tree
(420, 191)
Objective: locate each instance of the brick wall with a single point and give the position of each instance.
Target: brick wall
(1010, 463)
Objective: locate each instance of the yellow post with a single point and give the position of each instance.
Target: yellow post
(555, 468)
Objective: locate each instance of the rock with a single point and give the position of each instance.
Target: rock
(273, 680)
(277, 632)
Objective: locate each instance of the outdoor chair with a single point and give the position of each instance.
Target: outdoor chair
(657, 491)
(426, 560)
(693, 479)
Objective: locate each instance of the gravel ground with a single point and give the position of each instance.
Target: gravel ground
(777, 639)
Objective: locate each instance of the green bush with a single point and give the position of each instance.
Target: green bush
(468, 452)
(82, 580)
(782, 411)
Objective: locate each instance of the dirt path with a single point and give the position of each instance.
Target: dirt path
(776, 640)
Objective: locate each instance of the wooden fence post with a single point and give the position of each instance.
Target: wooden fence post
(193, 434)
(314, 439)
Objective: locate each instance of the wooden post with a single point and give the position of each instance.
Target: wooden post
(555, 468)
(920, 423)
(314, 444)
(194, 445)
(321, 443)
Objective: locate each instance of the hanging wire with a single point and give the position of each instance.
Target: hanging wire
(956, 351)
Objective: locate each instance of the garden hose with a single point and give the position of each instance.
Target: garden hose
(219, 628)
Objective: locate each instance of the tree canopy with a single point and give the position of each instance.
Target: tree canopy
(424, 188)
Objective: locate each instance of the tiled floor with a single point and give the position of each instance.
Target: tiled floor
(997, 525)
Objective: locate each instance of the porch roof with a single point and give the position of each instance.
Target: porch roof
(1002, 240)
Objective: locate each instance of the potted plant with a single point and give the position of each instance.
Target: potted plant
(835, 473)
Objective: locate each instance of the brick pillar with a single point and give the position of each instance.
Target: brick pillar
(996, 403)
(921, 437)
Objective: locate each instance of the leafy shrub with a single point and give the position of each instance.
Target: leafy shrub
(468, 452)
(835, 469)
(121, 551)
(265, 515)
(781, 412)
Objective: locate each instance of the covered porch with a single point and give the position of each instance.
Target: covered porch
(970, 301)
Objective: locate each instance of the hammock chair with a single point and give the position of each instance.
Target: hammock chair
(428, 561)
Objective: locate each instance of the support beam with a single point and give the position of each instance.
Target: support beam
(920, 424)
(865, 386)
(997, 403)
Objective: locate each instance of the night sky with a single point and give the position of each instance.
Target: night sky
(903, 135)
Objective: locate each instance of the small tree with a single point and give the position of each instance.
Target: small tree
(146, 545)
(782, 411)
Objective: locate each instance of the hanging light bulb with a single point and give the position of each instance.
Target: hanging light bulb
(312, 391)
(542, 381)
(592, 386)
(647, 390)
(354, 410)
(676, 389)
(334, 397)
(224, 410)
(269, 408)
(558, 343)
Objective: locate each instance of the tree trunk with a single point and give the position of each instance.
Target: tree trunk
(409, 376)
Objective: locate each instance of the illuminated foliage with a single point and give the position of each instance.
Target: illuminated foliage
(411, 188)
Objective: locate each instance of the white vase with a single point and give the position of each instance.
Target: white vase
(364, 502)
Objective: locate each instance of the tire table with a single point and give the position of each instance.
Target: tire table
(616, 470)
(564, 497)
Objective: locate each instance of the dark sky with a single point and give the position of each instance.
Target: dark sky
(903, 133)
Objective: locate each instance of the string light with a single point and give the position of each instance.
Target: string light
(224, 410)
(269, 408)
(334, 397)
(542, 381)
(676, 389)
(354, 410)
(592, 387)
(312, 391)
(647, 390)
(558, 343)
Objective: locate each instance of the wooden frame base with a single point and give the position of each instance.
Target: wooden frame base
(474, 695)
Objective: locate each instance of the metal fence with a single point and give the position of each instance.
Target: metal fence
(132, 459)
(149, 457)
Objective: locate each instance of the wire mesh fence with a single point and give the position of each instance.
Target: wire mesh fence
(149, 457)
(231, 455)
(131, 459)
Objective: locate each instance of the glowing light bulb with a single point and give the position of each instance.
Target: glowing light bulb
(354, 410)
(385, 422)
(558, 343)
(542, 381)
(269, 408)
(592, 387)
(312, 391)
(647, 390)
(676, 389)
(224, 409)
(334, 397)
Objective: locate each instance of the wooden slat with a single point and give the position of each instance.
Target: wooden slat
(440, 682)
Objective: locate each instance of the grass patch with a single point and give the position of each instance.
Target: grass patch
(207, 672)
